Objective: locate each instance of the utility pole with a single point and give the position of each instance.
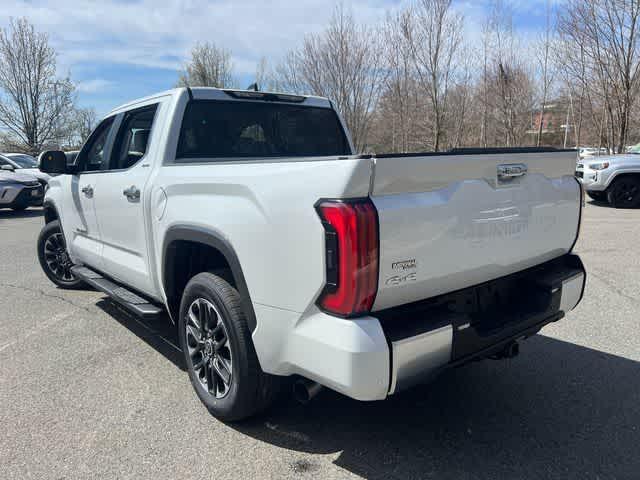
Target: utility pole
(566, 122)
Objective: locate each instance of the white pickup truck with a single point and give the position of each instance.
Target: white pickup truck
(278, 252)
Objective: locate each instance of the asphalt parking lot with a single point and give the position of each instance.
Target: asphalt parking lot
(87, 391)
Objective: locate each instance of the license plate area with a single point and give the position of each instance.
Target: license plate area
(487, 314)
(498, 310)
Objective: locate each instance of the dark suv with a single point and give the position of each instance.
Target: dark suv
(19, 190)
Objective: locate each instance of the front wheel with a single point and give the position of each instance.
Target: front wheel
(598, 196)
(625, 192)
(53, 256)
(218, 350)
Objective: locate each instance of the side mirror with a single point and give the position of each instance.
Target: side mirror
(10, 168)
(53, 162)
(71, 157)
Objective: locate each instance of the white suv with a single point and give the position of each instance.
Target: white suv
(613, 179)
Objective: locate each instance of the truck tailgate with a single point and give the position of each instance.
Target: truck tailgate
(455, 220)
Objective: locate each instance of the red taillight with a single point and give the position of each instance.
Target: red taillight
(351, 242)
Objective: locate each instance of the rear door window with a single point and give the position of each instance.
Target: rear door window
(218, 130)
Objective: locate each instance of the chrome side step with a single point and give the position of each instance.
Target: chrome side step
(119, 294)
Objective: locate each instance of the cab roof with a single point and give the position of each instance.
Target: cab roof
(212, 93)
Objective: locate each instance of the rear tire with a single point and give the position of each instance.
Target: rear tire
(624, 192)
(54, 258)
(218, 350)
(598, 196)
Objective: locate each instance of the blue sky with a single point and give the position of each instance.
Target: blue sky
(118, 50)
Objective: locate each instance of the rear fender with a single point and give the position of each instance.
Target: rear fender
(215, 240)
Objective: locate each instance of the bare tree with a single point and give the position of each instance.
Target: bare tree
(459, 108)
(209, 66)
(32, 98)
(435, 34)
(343, 63)
(414, 84)
(486, 39)
(74, 128)
(509, 79)
(287, 77)
(400, 100)
(605, 35)
(85, 122)
(262, 74)
(546, 67)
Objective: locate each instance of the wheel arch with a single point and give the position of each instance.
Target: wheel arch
(179, 235)
(50, 212)
(623, 173)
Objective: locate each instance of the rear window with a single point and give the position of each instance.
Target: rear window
(223, 130)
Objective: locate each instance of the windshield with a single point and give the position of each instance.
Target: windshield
(219, 129)
(23, 160)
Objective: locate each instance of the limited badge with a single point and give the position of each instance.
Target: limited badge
(404, 265)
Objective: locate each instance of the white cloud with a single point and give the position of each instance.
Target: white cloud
(159, 33)
(94, 38)
(94, 85)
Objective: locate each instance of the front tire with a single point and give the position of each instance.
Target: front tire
(624, 193)
(54, 258)
(221, 360)
(598, 196)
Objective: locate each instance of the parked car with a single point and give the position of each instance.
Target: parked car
(613, 179)
(19, 190)
(279, 252)
(633, 148)
(586, 152)
(26, 164)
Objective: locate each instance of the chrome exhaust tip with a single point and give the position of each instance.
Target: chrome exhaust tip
(304, 390)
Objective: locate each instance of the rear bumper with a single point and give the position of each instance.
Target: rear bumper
(447, 333)
(372, 357)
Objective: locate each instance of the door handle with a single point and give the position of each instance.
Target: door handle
(132, 193)
(88, 191)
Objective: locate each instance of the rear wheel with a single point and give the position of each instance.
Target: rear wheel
(218, 350)
(625, 192)
(54, 258)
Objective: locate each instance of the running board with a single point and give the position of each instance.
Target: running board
(119, 294)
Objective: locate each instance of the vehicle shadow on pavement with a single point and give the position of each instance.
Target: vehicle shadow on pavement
(604, 204)
(597, 203)
(159, 334)
(559, 410)
(29, 213)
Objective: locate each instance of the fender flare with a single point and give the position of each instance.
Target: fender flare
(617, 174)
(49, 205)
(214, 239)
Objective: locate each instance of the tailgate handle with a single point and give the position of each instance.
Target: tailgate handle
(511, 170)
